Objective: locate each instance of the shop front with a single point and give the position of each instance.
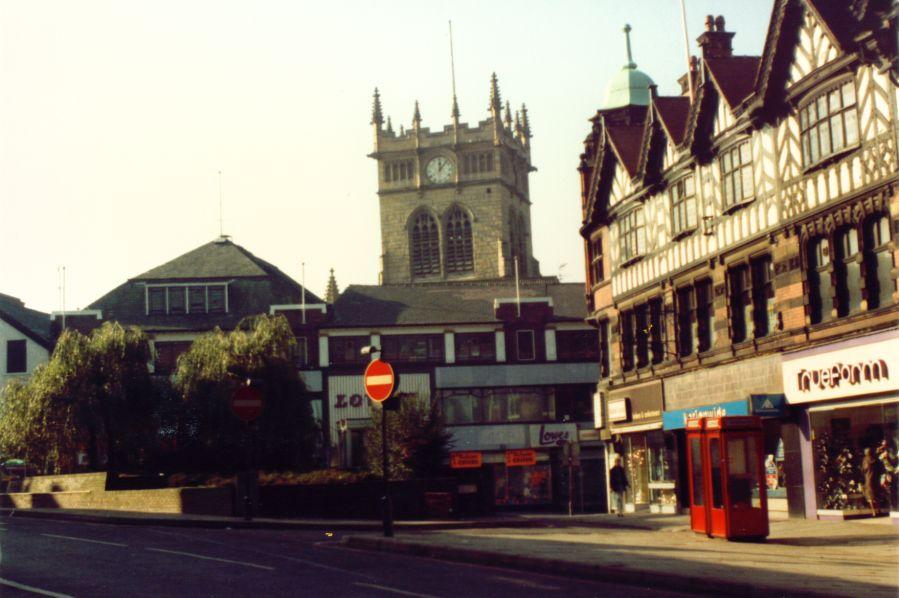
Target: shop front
(647, 452)
(848, 394)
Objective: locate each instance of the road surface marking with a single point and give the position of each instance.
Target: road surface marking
(393, 590)
(212, 558)
(526, 583)
(84, 540)
(33, 590)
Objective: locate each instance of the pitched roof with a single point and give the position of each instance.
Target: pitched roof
(218, 259)
(448, 303)
(734, 76)
(32, 323)
(627, 142)
(674, 112)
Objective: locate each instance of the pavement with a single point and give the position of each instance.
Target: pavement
(799, 558)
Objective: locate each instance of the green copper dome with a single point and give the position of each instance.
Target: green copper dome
(630, 86)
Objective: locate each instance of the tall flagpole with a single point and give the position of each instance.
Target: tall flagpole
(303, 291)
(683, 17)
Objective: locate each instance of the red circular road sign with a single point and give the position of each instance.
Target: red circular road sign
(379, 380)
(246, 403)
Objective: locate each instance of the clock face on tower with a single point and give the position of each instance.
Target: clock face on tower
(440, 170)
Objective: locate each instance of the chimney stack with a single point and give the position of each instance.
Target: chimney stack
(715, 41)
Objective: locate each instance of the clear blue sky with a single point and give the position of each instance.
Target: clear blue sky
(115, 117)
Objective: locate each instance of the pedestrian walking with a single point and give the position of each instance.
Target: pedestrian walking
(869, 463)
(619, 484)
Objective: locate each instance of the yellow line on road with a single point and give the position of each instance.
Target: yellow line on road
(212, 558)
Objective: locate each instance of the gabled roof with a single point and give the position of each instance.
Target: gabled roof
(734, 77)
(673, 111)
(626, 142)
(218, 259)
(448, 303)
(32, 323)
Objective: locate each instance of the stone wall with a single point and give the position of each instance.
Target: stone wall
(724, 383)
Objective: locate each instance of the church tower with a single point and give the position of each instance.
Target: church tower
(455, 204)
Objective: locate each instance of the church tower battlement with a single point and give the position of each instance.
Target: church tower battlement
(455, 203)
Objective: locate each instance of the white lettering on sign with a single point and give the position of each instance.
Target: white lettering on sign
(832, 377)
(704, 412)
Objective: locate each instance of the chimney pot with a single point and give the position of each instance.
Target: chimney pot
(709, 22)
(719, 23)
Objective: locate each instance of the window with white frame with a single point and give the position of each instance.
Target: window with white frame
(736, 175)
(683, 206)
(631, 235)
(828, 123)
(186, 299)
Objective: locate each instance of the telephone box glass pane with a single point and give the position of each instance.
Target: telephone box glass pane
(743, 479)
(696, 466)
(715, 457)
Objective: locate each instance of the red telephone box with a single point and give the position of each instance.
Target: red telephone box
(727, 485)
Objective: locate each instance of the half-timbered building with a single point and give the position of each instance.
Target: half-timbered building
(741, 243)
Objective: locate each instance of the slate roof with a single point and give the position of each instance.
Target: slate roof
(674, 112)
(32, 323)
(627, 142)
(448, 303)
(734, 76)
(254, 285)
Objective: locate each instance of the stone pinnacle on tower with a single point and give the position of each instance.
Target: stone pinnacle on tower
(508, 118)
(377, 117)
(525, 123)
(389, 127)
(495, 100)
(332, 292)
(416, 117)
(517, 125)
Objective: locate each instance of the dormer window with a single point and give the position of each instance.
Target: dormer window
(631, 235)
(178, 299)
(736, 175)
(828, 124)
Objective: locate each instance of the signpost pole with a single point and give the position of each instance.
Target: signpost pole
(387, 506)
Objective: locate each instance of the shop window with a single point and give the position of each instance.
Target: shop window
(522, 485)
(596, 270)
(848, 272)
(604, 357)
(357, 448)
(475, 347)
(820, 289)
(16, 357)
(683, 206)
(345, 350)
(577, 345)
(631, 235)
(413, 348)
(736, 176)
(524, 345)
(828, 124)
(662, 471)
(177, 300)
(879, 283)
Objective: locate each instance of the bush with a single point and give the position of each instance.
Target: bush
(321, 477)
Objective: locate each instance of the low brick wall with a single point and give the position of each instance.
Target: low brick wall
(87, 491)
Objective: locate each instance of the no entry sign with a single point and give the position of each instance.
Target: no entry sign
(379, 380)
(246, 403)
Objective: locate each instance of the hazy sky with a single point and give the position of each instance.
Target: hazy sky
(115, 118)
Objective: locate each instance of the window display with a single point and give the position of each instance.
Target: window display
(662, 471)
(840, 437)
(530, 485)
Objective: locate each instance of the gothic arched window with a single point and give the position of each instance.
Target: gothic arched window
(459, 256)
(424, 240)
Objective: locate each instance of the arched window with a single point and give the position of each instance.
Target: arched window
(459, 256)
(424, 241)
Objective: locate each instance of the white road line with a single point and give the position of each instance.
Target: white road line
(85, 540)
(526, 583)
(33, 590)
(212, 558)
(393, 590)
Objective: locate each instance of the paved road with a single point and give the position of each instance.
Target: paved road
(56, 558)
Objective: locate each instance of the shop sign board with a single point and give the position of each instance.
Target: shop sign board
(770, 405)
(547, 435)
(642, 405)
(466, 460)
(859, 366)
(597, 410)
(521, 458)
(677, 419)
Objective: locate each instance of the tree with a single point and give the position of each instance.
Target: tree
(94, 394)
(417, 441)
(208, 435)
